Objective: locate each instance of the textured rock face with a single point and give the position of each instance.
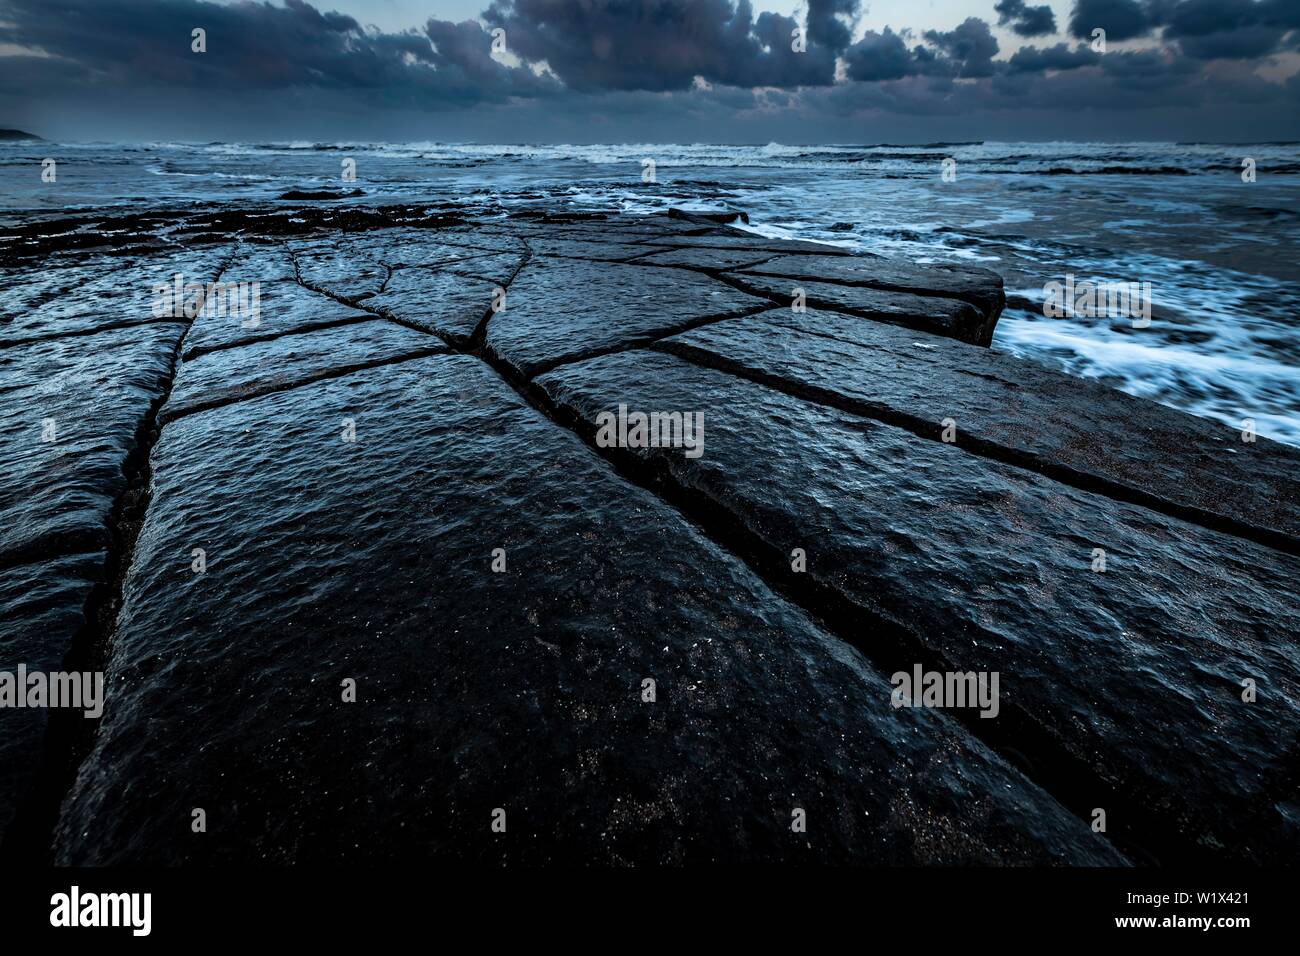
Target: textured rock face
(41, 606)
(289, 361)
(364, 572)
(706, 260)
(70, 295)
(70, 411)
(1075, 429)
(987, 567)
(476, 689)
(979, 287)
(445, 303)
(747, 243)
(283, 307)
(76, 393)
(562, 309)
(939, 316)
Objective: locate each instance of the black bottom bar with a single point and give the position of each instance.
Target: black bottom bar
(917, 906)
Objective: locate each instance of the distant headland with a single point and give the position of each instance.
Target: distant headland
(10, 135)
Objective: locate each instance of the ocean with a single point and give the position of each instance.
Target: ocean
(1219, 252)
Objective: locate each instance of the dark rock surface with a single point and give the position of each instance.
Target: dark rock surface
(328, 559)
(284, 308)
(41, 607)
(982, 566)
(65, 297)
(498, 268)
(581, 249)
(339, 265)
(561, 309)
(1075, 429)
(604, 586)
(446, 303)
(321, 194)
(980, 287)
(933, 314)
(89, 394)
(290, 360)
(706, 260)
(736, 240)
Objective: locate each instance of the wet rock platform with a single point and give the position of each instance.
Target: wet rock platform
(369, 581)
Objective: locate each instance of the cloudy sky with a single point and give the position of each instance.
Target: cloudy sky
(652, 70)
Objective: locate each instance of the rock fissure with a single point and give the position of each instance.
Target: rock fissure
(69, 737)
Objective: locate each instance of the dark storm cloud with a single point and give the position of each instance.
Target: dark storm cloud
(971, 44)
(1204, 17)
(1114, 83)
(1204, 29)
(617, 68)
(830, 22)
(1059, 57)
(1240, 44)
(1025, 21)
(260, 46)
(666, 44)
(1121, 19)
(880, 56)
(1231, 29)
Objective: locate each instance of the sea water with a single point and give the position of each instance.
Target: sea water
(1218, 250)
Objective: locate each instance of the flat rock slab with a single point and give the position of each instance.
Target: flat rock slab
(980, 287)
(339, 266)
(68, 419)
(749, 242)
(289, 361)
(599, 250)
(34, 298)
(403, 248)
(561, 309)
(706, 260)
(446, 303)
(498, 268)
(520, 690)
(263, 263)
(283, 307)
(1074, 429)
(617, 229)
(41, 610)
(974, 565)
(948, 317)
(110, 292)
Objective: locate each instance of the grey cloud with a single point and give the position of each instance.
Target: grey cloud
(1059, 57)
(624, 68)
(830, 22)
(1243, 43)
(1232, 29)
(661, 45)
(971, 44)
(880, 56)
(254, 46)
(1121, 19)
(1025, 21)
